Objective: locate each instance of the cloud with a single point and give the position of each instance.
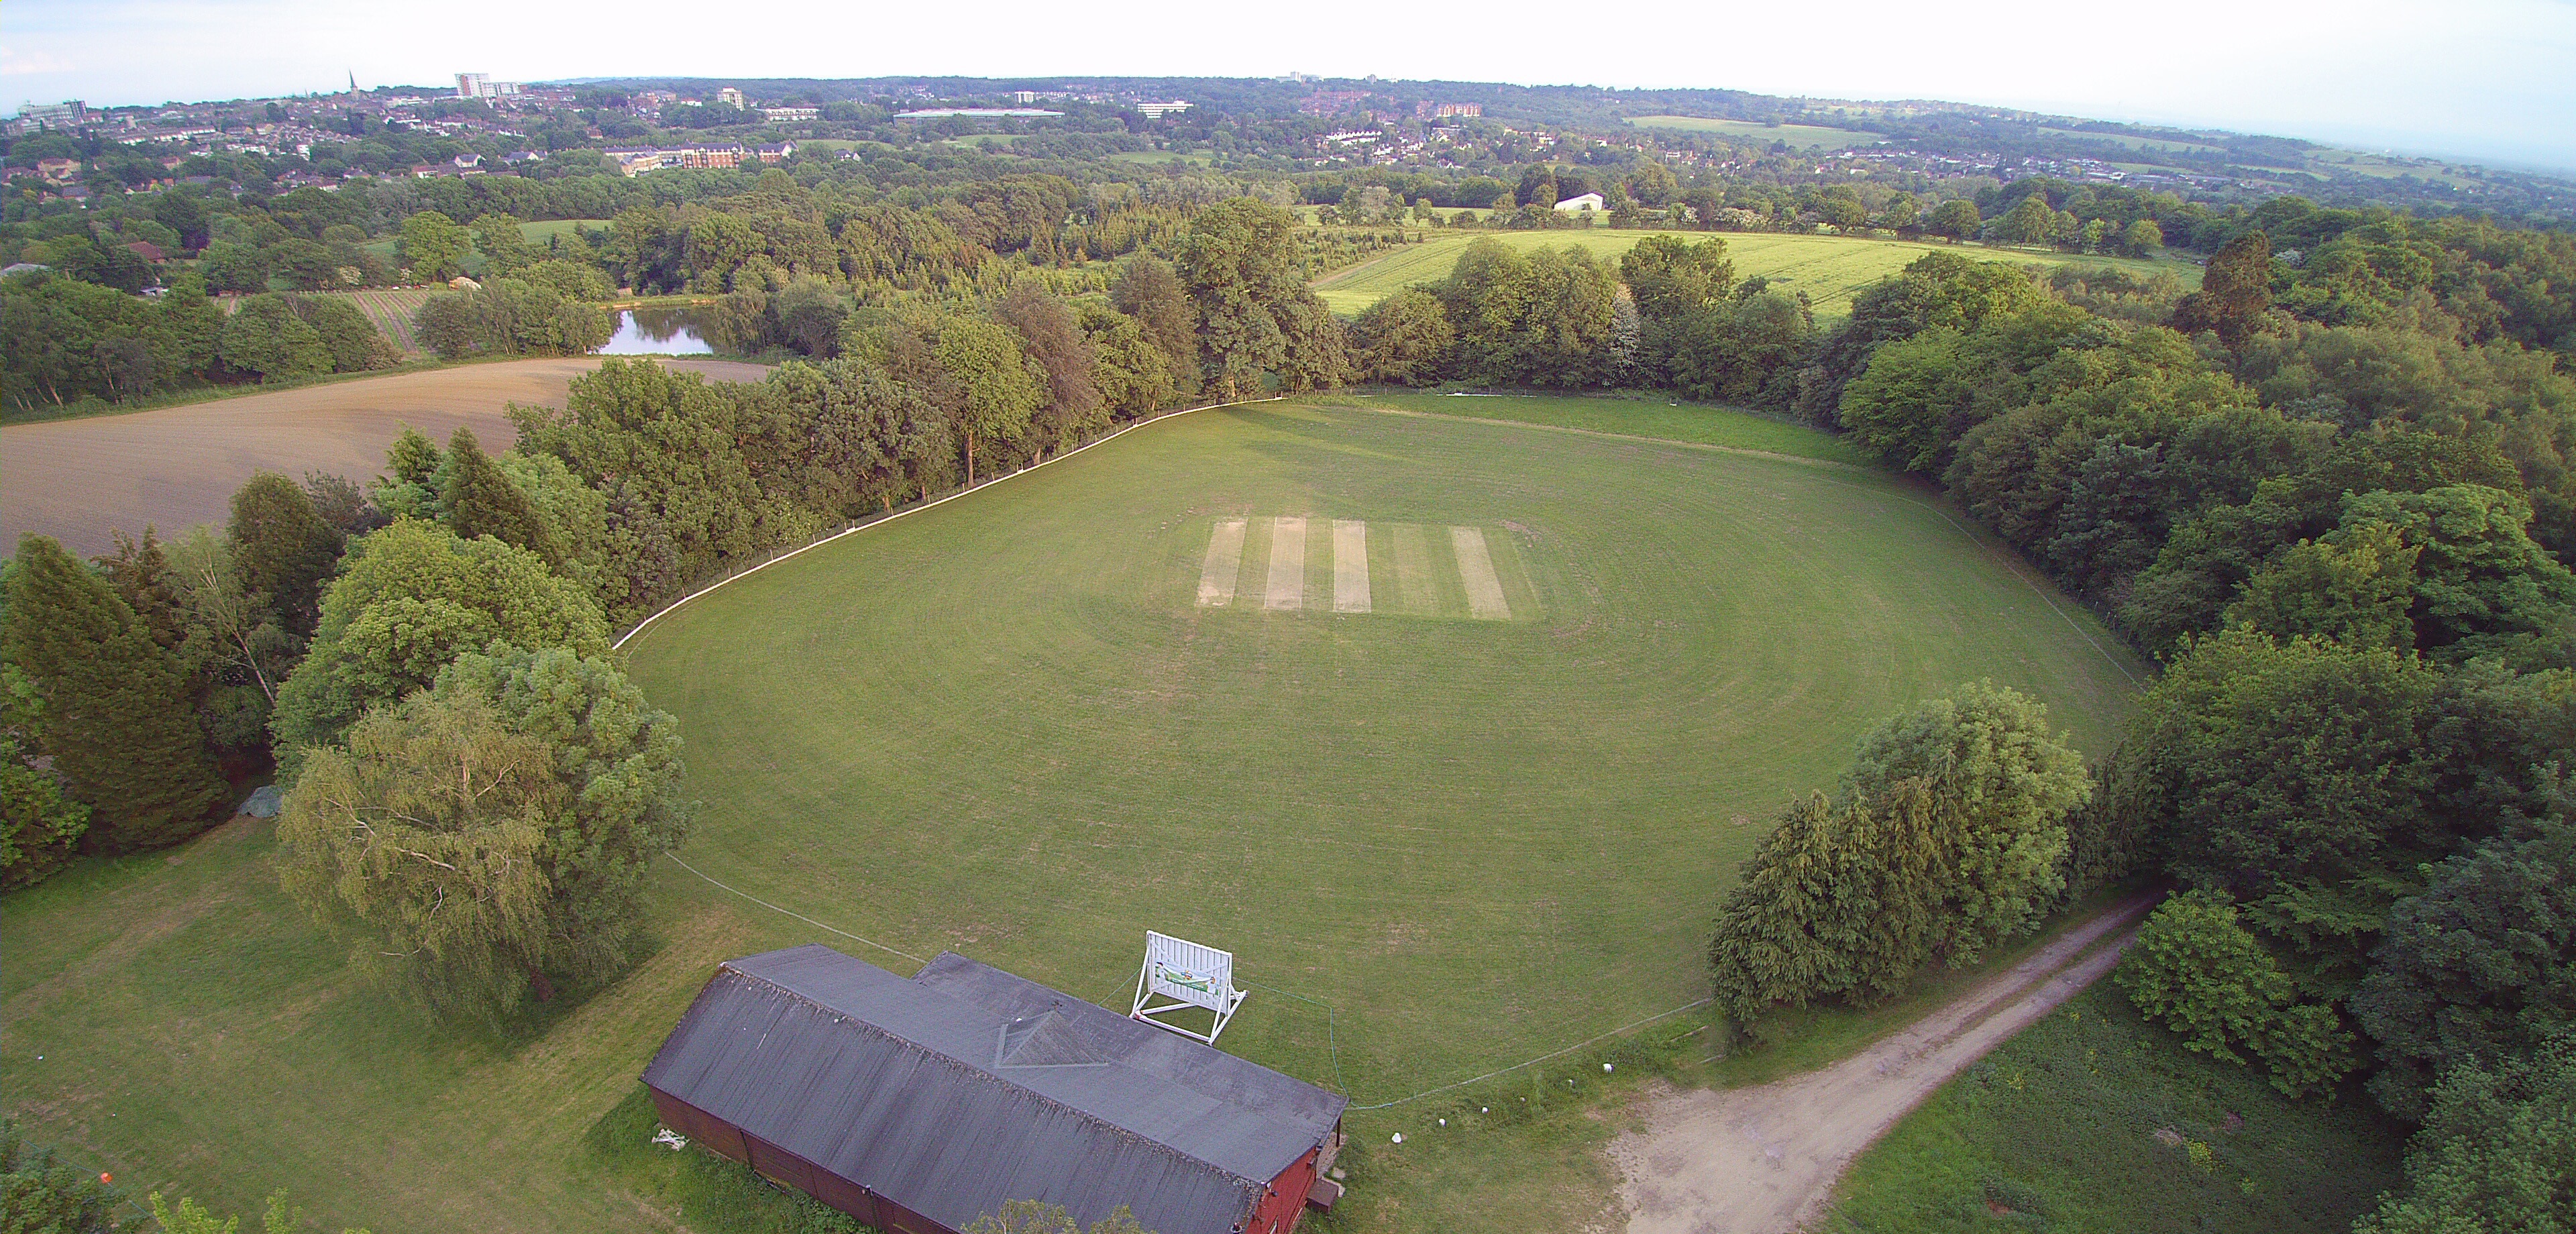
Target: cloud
(16, 63)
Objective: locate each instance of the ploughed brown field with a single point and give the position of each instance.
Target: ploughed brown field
(176, 467)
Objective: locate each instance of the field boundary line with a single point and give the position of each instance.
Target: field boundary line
(882, 520)
(1429, 1092)
(675, 857)
(1330, 1011)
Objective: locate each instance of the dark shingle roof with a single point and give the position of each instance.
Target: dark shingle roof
(965, 1087)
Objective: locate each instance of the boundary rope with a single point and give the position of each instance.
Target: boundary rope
(882, 520)
(1695, 1003)
(675, 857)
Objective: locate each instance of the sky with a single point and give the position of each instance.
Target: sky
(2490, 80)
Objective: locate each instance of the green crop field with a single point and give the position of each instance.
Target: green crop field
(2137, 142)
(1830, 269)
(1802, 136)
(392, 309)
(539, 233)
(1485, 819)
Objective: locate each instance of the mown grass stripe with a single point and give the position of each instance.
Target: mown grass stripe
(1287, 589)
(1224, 558)
(1350, 566)
(1476, 573)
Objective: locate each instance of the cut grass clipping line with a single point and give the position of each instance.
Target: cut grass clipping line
(1328, 1007)
(882, 520)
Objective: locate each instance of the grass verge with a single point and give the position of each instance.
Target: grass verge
(2095, 1119)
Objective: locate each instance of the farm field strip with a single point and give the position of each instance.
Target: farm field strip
(176, 467)
(392, 309)
(1803, 136)
(1829, 269)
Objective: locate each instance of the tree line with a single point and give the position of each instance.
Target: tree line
(2328, 493)
(425, 659)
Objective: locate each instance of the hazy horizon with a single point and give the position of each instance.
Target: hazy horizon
(2480, 80)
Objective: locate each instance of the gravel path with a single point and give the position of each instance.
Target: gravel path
(1764, 1160)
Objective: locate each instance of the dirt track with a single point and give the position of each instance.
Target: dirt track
(176, 467)
(1764, 1160)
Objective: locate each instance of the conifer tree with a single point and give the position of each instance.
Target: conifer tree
(282, 549)
(140, 573)
(117, 719)
(477, 499)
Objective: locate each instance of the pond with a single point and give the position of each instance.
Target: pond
(658, 332)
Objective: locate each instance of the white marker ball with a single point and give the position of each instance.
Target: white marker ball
(1605, 1067)
(1399, 1137)
(1444, 1122)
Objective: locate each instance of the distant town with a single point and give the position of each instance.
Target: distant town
(486, 126)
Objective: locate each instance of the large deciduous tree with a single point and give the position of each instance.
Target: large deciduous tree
(2235, 289)
(412, 598)
(434, 246)
(1257, 321)
(2209, 979)
(2496, 1151)
(489, 835)
(2481, 965)
(2292, 774)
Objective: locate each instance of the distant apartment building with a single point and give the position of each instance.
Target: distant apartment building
(788, 115)
(731, 97)
(1156, 111)
(32, 116)
(1442, 111)
(636, 160)
(482, 86)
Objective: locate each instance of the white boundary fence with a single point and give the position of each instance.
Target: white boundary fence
(882, 519)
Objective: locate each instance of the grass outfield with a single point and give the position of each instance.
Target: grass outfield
(1830, 269)
(1003, 726)
(1696, 423)
(1449, 830)
(2059, 1128)
(1802, 136)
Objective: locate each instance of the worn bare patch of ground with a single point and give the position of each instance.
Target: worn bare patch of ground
(176, 467)
(1764, 1159)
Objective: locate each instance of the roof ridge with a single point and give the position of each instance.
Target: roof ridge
(1076, 1111)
